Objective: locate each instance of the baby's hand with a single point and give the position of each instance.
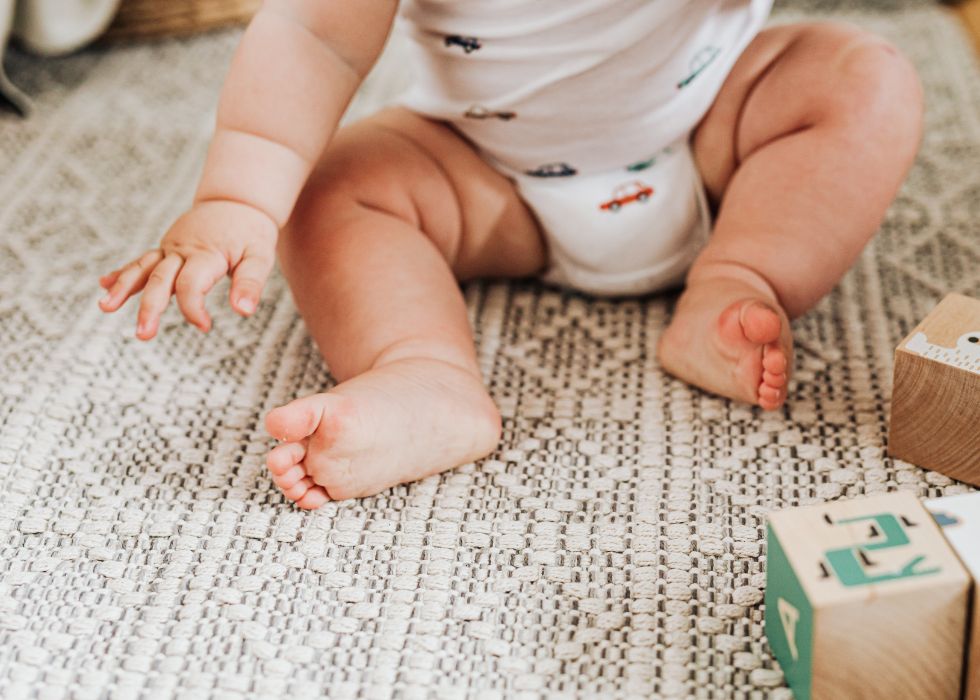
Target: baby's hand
(214, 238)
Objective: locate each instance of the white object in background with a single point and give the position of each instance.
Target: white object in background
(6, 20)
(959, 517)
(49, 28)
(55, 27)
(8, 90)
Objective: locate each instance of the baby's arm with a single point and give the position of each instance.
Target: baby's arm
(294, 73)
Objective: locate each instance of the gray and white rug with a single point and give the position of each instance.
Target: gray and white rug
(613, 544)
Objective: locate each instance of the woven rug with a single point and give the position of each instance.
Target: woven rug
(613, 544)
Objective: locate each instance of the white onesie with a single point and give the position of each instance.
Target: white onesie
(588, 105)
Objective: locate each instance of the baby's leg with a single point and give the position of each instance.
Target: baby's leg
(805, 148)
(398, 209)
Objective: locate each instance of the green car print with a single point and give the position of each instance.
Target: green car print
(701, 60)
(641, 165)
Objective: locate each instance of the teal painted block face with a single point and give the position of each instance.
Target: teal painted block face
(789, 619)
(850, 564)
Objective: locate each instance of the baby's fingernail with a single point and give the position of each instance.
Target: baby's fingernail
(246, 305)
(106, 299)
(141, 328)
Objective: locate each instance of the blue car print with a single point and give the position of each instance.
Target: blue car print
(469, 44)
(552, 170)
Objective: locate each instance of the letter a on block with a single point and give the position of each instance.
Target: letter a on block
(789, 617)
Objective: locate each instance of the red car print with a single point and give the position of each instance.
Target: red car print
(634, 191)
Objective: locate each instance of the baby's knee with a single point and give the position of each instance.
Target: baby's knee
(331, 198)
(353, 177)
(877, 92)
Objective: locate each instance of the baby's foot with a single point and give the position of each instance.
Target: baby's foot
(392, 424)
(731, 339)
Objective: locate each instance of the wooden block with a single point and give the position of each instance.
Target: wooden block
(935, 420)
(865, 599)
(969, 11)
(959, 517)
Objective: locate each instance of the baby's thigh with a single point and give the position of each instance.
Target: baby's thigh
(424, 173)
(799, 76)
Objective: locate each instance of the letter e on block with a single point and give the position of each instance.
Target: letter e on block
(865, 599)
(935, 417)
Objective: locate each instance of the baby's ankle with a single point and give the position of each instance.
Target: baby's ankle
(731, 273)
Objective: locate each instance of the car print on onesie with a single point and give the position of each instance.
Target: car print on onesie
(641, 165)
(649, 162)
(481, 112)
(701, 60)
(627, 193)
(552, 170)
(469, 44)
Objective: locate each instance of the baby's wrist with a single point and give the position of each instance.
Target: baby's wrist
(235, 207)
(252, 170)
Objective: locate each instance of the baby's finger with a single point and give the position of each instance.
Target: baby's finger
(199, 274)
(130, 279)
(156, 295)
(248, 280)
(106, 281)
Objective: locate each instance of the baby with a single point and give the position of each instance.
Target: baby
(595, 142)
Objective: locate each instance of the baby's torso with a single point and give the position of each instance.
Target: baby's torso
(553, 86)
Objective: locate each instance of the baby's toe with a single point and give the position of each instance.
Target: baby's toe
(282, 457)
(774, 380)
(760, 324)
(770, 397)
(774, 359)
(313, 499)
(289, 478)
(299, 489)
(297, 419)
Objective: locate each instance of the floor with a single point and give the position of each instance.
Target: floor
(613, 547)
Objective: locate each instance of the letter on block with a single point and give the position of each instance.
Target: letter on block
(959, 517)
(865, 599)
(935, 406)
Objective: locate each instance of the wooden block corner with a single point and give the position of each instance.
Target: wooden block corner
(935, 411)
(865, 598)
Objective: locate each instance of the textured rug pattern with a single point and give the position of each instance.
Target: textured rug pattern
(613, 544)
